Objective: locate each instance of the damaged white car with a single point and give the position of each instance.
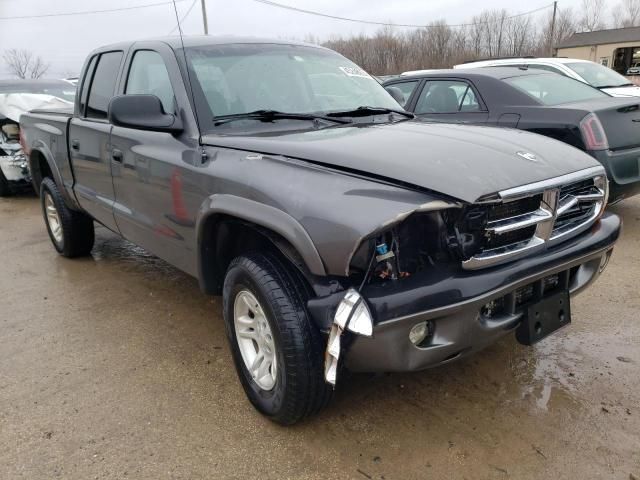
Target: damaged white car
(18, 97)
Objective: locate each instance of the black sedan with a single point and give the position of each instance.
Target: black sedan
(538, 101)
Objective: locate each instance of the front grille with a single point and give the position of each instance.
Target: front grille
(534, 217)
(504, 210)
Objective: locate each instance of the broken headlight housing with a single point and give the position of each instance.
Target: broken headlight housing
(414, 245)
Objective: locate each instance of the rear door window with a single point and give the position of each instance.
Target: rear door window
(85, 84)
(447, 96)
(148, 75)
(103, 85)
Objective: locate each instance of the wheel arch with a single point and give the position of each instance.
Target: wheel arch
(41, 165)
(228, 225)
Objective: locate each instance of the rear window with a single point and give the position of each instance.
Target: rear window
(552, 89)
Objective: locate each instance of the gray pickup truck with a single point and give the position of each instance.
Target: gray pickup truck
(339, 232)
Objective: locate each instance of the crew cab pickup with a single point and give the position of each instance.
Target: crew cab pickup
(339, 232)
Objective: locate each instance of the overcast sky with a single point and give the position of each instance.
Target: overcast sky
(65, 41)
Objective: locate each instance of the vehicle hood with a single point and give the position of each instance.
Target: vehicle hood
(460, 161)
(630, 91)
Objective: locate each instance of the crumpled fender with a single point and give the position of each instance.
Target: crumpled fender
(334, 210)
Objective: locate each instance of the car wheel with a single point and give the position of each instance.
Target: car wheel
(5, 190)
(71, 232)
(277, 350)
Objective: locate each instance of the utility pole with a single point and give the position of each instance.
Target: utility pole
(553, 27)
(204, 17)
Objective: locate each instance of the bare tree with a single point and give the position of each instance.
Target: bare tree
(23, 64)
(564, 28)
(626, 14)
(592, 15)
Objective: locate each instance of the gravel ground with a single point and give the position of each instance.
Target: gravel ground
(116, 366)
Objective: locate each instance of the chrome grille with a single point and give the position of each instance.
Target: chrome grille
(533, 217)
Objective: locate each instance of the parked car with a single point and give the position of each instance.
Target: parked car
(16, 98)
(634, 69)
(591, 73)
(339, 232)
(606, 128)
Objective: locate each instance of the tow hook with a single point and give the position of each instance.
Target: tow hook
(354, 315)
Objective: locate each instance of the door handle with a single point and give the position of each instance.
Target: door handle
(75, 144)
(116, 155)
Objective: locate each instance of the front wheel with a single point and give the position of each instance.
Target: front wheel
(277, 350)
(71, 232)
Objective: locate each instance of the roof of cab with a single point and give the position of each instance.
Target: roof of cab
(204, 40)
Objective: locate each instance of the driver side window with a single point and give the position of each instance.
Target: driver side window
(148, 75)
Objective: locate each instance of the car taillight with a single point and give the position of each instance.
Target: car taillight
(593, 133)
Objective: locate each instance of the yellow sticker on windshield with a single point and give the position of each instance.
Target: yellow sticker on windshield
(354, 72)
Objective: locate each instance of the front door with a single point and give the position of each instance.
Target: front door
(157, 195)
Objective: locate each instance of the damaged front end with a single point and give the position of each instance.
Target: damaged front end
(395, 253)
(437, 283)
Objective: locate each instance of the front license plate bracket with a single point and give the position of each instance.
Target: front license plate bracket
(544, 317)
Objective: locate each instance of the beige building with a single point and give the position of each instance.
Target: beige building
(618, 48)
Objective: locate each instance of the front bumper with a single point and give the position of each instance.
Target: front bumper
(453, 300)
(623, 171)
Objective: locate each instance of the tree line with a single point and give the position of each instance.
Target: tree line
(492, 33)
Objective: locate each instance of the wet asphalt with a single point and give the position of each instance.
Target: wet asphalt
(116, 366)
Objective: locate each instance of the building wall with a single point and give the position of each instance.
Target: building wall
(595, 53)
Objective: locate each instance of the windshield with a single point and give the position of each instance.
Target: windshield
(64, 90)
(240, 78)
(552, 89)
(598, 75)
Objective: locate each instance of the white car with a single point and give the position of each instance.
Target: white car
(594, 74)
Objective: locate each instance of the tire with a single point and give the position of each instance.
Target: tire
(5, 190)
(75, 235)
(299, 389)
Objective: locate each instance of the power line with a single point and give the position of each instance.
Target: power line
(88, 12)
(370, 22)
(183, 17)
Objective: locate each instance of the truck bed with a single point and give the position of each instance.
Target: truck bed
(47, 130)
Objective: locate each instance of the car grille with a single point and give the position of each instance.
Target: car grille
(533, 217)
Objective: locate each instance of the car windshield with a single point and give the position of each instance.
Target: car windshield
(238, 79)
(64, 90)
(598, 76)
(552, 89)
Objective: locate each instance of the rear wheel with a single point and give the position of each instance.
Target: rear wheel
(71, 232)
(277, 350)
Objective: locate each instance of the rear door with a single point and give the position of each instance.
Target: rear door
(155, 174)
(89, 131)
(448, 100)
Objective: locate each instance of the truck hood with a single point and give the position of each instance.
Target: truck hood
(460, 161)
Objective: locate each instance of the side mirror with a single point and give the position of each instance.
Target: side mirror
(397, 95)
(143, 112)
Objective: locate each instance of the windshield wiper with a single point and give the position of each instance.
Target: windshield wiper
(365, 111)
(269, 115)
